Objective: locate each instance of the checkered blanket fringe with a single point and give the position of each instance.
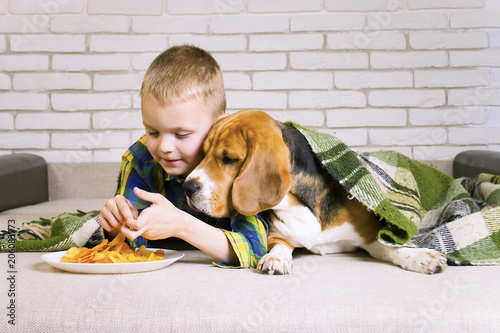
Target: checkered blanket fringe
(57, 234)
(419, 205)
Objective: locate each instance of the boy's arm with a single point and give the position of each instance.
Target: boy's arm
(209, 239)
(241, 247)
(248, 239)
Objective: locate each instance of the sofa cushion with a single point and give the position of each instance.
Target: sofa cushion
(473, 162)
(24, 180)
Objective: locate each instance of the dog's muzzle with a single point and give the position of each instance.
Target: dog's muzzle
(199, 192)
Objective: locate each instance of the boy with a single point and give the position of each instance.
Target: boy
(182, 97)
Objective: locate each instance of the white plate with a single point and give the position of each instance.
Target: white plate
(54, 259)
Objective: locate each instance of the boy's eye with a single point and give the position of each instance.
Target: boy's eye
(228, 161)
(152, 133)
(182, 135)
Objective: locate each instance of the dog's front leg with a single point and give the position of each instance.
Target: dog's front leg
(278, 261)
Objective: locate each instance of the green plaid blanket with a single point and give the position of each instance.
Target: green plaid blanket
(57, 234)
(419, 205)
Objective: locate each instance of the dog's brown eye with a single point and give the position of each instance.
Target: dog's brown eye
(228, 161)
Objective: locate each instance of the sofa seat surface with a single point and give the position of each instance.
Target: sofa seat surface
(333, 293)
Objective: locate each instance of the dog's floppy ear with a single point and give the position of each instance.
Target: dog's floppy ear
(264, 178)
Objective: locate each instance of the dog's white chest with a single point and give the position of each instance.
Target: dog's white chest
(302, 229)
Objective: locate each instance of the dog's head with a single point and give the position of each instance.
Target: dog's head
(246, 168)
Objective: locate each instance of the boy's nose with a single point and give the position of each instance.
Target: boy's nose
(166, 145)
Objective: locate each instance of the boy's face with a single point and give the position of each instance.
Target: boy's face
(175, 133)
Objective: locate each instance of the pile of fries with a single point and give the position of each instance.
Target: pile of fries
(116, 251)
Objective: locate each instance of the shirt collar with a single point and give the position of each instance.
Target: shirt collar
(170, 177)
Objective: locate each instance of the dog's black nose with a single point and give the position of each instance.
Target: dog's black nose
(190, 188)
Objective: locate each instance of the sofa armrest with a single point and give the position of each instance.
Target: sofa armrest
(23, 179)
(473, 162)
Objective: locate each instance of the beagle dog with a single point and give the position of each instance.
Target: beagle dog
(254, 164)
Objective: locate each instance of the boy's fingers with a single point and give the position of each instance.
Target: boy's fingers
(139, 222)
(135, 212)
(148, 196)
(125, 209)
(104, 223)
(129, 233)
(131, 224)
(108, 219)
(116, 212)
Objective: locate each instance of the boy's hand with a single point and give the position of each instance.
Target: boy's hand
(163, 220)
(158, 221)
(116, 213)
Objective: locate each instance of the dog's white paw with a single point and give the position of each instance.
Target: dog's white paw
(422, 260)
(275, 264)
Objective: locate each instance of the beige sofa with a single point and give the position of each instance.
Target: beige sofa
(333, 293)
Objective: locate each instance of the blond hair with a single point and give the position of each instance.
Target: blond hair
(185, 72)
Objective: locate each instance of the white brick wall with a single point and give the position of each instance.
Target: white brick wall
(205, 7)
(262, 6)
(52, 121)
(363, 6)
(249, 24)
(448, 40)
(47, 43)
(408, 59)
(125, 7)
(171, 26)
(407, 97)
(419, 20)
(369, 79)
(327, 22)
(251, 62)
(90, 62)
(51, 81)
(451, 78)
(23, 101)
(5, 82)
(292, 80)
(109, 82)
(127, 43)
(23, 62)
(385, 40)
(285, 42)
(325, 60)
(84, 101)
(429, 4)
(484, 18)
(89, 24)
(418, 76)
(45, 7)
